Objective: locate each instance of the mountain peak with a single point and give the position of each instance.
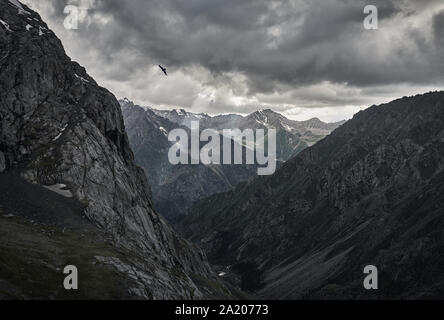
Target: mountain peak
(180, 112)
(268, 110)
(126, 102)
(64, 108)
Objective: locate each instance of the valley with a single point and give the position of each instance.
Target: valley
(159, 202)
(369, 193)
(176, 187)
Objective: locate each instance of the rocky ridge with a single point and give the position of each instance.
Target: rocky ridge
(58, 127)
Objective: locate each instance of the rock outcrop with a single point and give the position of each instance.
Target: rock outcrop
(58, 127)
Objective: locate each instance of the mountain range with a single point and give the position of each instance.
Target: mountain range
(85, 181)
(371, 193)
(176, 187)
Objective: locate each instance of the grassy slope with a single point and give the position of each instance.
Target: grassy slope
(40, 233)
(33, 256)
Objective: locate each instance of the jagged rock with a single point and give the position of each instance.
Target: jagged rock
(59, 127)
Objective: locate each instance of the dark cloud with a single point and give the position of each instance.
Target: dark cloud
(296, 42)
(260, 47)
(438, 30)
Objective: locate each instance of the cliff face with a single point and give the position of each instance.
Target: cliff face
(369, 193)
(58, 127)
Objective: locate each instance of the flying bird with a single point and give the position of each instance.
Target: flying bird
(163, 69)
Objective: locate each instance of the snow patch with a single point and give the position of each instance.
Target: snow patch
(41, 33)
(5, 25)
(28, 27)
(286, 127)
(61, 132)
(60, 189)
(264, 123)
(180, 112)
(163, 131)
(81, 78)
(200, 115)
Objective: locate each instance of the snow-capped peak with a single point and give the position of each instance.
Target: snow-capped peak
(180, 112)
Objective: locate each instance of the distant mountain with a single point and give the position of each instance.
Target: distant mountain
(371, 193)
(292, 136)
(180, 116)
(70, 191)
(148, 136)
(175, 188)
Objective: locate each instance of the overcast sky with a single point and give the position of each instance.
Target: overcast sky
(303, 58)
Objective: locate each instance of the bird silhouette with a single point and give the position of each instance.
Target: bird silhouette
(163, 69)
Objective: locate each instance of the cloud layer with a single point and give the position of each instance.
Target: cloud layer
(303, 58)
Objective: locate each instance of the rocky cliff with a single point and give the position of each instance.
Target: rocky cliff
(61, 130)
(174, 187)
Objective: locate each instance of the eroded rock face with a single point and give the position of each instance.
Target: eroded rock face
(59, 127)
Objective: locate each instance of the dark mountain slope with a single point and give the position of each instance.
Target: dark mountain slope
(176, 188)
(59, 129)
(41, 233)
(148, 136)
(370, 193)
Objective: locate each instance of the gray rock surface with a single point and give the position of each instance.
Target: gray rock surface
(57, 126)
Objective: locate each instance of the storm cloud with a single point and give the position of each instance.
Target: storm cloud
(303, 58)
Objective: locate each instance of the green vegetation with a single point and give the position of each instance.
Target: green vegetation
(33, 257)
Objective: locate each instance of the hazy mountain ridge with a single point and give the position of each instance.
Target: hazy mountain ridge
(369, 193)
(175, 188)
(262, 119)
